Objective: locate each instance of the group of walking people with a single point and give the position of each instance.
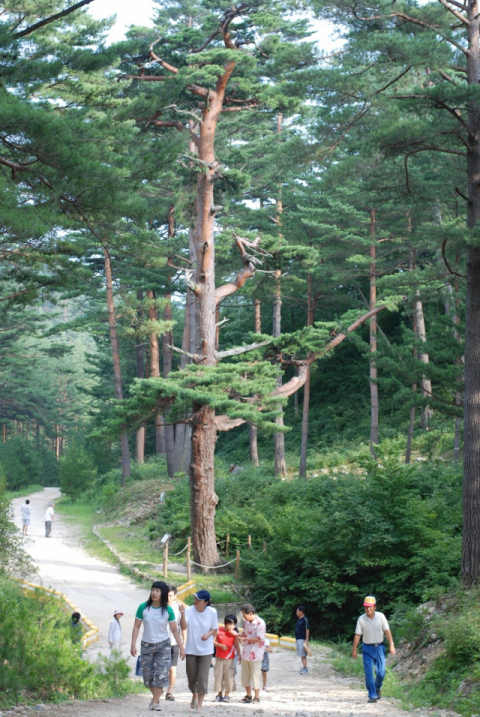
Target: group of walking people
(172, 630)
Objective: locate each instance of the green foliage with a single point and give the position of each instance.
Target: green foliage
(23, 465)
(77, 470)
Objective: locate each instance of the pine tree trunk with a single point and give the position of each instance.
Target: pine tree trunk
(117, 373)
(253, 429)
(183, 432)
(373, 339)
(471, 458)
(411, 425)
(140, 365)
(155, 371)
(167, 343)
(425, 383)
(203, 499)
(279, 438)
(306, 390)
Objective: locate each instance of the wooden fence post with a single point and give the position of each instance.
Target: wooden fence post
(189, 548)
(227, 543)
(237, 565)
(165, 560)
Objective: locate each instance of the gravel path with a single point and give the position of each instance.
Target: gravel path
(97, 588)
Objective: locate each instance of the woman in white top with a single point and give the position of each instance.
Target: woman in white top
(115, 631)
(155, 653)
(202, 622)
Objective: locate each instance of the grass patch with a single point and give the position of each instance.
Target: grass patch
(23, 492)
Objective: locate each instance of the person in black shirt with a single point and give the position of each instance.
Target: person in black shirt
(302, 634)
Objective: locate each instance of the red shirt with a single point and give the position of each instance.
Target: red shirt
(228, 639)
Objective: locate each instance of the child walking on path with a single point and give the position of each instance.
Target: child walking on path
(115, 631)
(266, 665)
(302, 634)
(253, 650)
(227, 646)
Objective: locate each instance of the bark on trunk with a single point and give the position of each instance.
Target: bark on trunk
(140, 365)
(373, 339)
(253, 429)
(471, 460)
(279, 438)
(168, 357)
(311, 300)
(117, 373)
(202, 480)
(155, 371)
(411, 425)
(425, 383)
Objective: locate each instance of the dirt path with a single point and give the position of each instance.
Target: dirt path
(97, 588)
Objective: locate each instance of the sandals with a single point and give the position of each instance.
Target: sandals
(170, 697)
(256, 700)
(247, 700)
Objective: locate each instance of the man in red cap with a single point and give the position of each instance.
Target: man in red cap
(372, 628)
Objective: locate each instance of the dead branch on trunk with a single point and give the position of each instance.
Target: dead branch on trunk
(240, 349)
(249, 262)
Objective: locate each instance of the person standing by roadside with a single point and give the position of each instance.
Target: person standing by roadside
(372, 628)
(25, 510)
(49, 519)
(155, 651)
(302, 635)
(253, 650)
(115, 631)
(202, 623)
(172, 675)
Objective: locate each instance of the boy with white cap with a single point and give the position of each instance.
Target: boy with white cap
(372, 628)
(115, 631)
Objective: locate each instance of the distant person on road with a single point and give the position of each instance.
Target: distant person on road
(202, 623)
(115, 631)
(372, 628)
(302, 636)
(155, 652)
(226, 647)
(253, 650)
(76, 630)
(172, 675)
(25, 510)
(49, 518)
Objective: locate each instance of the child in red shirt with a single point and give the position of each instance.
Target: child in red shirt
(226, 647)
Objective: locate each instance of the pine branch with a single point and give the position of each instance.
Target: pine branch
(52, 18)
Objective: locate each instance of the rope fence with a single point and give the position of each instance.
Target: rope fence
(189, 562)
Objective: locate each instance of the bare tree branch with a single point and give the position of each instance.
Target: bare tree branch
(52, 18)
(248, 269)
(241, 349)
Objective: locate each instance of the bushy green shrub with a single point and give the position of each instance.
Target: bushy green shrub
(24, 465)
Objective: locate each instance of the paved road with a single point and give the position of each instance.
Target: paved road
(97, 588)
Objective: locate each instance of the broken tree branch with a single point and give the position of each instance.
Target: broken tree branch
(240, 349)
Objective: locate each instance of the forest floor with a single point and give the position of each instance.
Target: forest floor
(97, 588)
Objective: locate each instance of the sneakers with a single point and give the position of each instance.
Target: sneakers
(373, 699)
(218, 698)
(265, 688)
(304, 671)
(379, 694)
(225, 699)
(155, 708)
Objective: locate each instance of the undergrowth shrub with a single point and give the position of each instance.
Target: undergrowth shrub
(38, 658)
